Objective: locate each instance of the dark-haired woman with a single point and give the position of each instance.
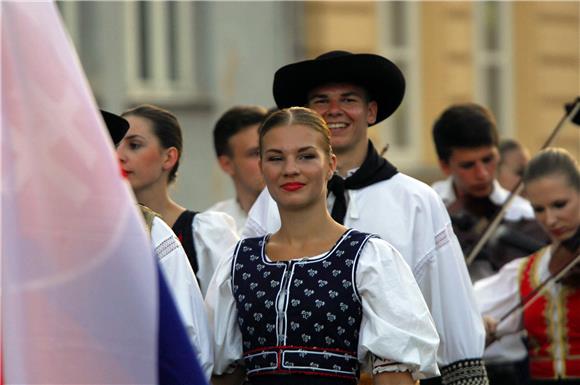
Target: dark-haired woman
(176, 270)
(150, 154)
(307, 304)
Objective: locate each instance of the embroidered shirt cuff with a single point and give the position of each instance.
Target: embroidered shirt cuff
(381, 365)
(470, 371)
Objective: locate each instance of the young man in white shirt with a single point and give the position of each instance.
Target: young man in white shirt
(466, 142)
(352, 92)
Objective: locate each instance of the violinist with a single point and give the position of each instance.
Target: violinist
(552, 182)
(466, 142)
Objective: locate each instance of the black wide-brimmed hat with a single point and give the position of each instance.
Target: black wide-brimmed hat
(116, 125)
(380, 77)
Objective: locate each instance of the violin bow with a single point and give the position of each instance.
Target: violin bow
(536, 293)
(492, 226)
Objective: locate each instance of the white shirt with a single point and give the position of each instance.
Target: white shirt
(501, 292)
(234, 210)
(395, 327)
(409, 215)
(510, 348)
(518, 209)
(185, 290)
(213, 234)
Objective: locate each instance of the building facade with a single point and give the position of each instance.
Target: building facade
(521, 59)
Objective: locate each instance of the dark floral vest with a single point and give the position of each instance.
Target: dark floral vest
(300, 316)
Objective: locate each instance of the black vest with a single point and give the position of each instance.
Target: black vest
(299, 317)
(182, 228)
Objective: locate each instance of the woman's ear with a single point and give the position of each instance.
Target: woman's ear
(171, 157)
(332, 166)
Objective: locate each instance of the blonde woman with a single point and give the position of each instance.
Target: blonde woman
(311, 302)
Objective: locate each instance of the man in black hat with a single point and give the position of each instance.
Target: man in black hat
(352, 92)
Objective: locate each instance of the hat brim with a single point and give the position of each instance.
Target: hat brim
(382, 79)
(116, 125)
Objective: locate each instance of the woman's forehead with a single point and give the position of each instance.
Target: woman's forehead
(292, 133)
(552, 184)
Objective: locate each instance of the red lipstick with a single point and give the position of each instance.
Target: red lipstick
(558, 232)
(292, 186)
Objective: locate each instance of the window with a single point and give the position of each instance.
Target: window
(160, 51)
(82, 26)
(493, 64)
(399, 42)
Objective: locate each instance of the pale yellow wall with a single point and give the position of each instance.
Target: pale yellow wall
(546, 67)
(547, 70)
(349, 26)
(447, 63)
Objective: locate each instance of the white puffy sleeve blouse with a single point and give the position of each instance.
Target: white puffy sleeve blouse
(396, 330)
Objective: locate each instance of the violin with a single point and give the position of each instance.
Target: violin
(470, 217)
(468, 210)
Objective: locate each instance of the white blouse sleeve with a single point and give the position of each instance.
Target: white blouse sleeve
(185, 291)
(223, 315)
(396, 325)
(497, 294)
(213, 234)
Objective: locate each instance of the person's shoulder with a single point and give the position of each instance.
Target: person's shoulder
(404, 182)
(258, 240)
(519, 208)
(415, 196)
(249, 245)
(441, 186)
(219, 206)
(214, 219)
(148, 215)
(378, 243)
(379, 253)
(508, 271)
(372, 239)
(160, 229)
(163, 236)
(412, 187)
(523, 207)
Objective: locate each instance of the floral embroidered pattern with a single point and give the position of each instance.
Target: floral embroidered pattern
(286, 308)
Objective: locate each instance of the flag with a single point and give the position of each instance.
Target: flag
(177, 362)
(80, 299)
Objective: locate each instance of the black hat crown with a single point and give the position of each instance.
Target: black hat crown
(116, 125)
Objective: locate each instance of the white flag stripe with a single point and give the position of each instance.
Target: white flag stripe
(79, 297)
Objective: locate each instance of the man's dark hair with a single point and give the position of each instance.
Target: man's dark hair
(233, 121)
(464, 126)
